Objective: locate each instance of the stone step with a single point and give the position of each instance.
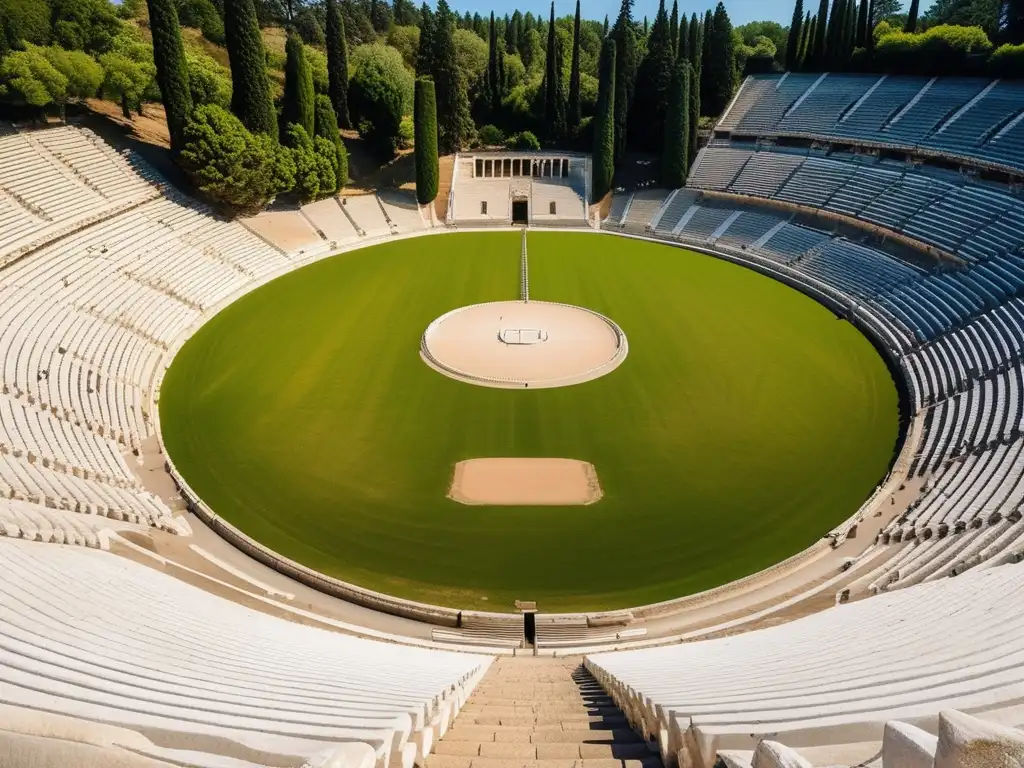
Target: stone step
(528, 735)
(617, 720)
(553, 751)
(468, 761)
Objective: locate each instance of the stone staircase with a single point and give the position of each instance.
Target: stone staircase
(541, 713)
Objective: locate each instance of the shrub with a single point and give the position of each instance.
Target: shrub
(406, 133)
(387, 61)
(231, 165)
(939, 50)
(28, 78)
(208, 81)
(327, 128)
(308, 26)
(1007, 61)
(317, 61)
(491, 136)
(24, 21)
(523, 141)
(202, 15)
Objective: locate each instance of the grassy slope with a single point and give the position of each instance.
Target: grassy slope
(745, 423)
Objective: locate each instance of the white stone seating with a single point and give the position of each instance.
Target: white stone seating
(367, 214)
(94, 636)
(35, 522)
(911, 653)
(645, 203)
(402, 209)
(327, 216)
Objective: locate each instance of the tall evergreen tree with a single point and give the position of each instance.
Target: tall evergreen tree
(606, 25)
(625, 73)
(554, 109)
(337, 63)
(850, 38)
(915, 8)
(818, 48)
(652, 84)
(862, 25)
(604, 122)
(327, 127)
(171, 70)
(675, 158)
(454, 123)
(833, 35)
(706, 31)
(869, 41)
(722, 73)
(250, 95)
(425, 54)
(425, 127)
(575, 106)
(683, 44)
(1013, 21)
(298, 105)
(673, 26)
(793, 43)
(495, 79)
(805, 41)
(512, 34)
(696, 47)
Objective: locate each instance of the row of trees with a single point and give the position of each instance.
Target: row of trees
(873, 35)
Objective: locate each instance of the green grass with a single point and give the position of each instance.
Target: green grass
(745, 423)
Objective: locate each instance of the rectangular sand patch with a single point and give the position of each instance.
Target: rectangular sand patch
(525, 482)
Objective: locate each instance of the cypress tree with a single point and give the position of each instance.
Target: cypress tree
(1013, 15)
(512, 34)
(793, 43)
(337, 63)
(454, 123)
(915, 7)
(494, 80)
(683, 45)
(862, 25)
(575, 107)
(250, 96)
(606, 25)
(706, 31)
(604, 122)
(833, 34)
(652, 84)
(675, 163)
(425, 122)
(425, 54)
(327, 127)
(850, 38)
(805, 41)
(625, 73)
(554, 110)
(721, 76)
(299, 104)
(171, 70)
(696, 46)
(869, 41)
(818, 49)
(673, 26)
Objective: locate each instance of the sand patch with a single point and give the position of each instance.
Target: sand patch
(525, 482)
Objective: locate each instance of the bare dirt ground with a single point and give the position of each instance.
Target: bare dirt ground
(525, 482)
(579, 345)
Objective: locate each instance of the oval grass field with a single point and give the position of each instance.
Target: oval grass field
(746, 422)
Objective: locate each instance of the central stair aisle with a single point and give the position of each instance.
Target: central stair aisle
(540, 713)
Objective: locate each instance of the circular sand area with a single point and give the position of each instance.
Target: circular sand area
(522, 344)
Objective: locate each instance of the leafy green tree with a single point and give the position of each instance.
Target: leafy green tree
(425, 120)
(675, 162)
(299, 97)
(28, 78)
(793, 43)
(126, 79)
(84, 25)
(250, 86)
(406, 40)
(915, 8)
(84, 74)
(314, 163)
(172, 74)
(575, 114)
(722, 73)
(337, 62)
(202, 15)
(390, 61)
(230, 164)
(454, 124)
(604, 122)
(990, 15)
(208, 81)
(524, 142)
(309, 28)
(626, 59)
(327, 128)
(376, 97)
(24, 21)
(652, 85)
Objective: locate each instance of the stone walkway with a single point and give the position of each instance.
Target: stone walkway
(540, 713)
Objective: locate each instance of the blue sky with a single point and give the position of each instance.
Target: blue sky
(740, 11)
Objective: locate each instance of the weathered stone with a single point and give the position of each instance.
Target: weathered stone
(967, 742)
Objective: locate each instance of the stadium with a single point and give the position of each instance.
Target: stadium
(539, 472)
